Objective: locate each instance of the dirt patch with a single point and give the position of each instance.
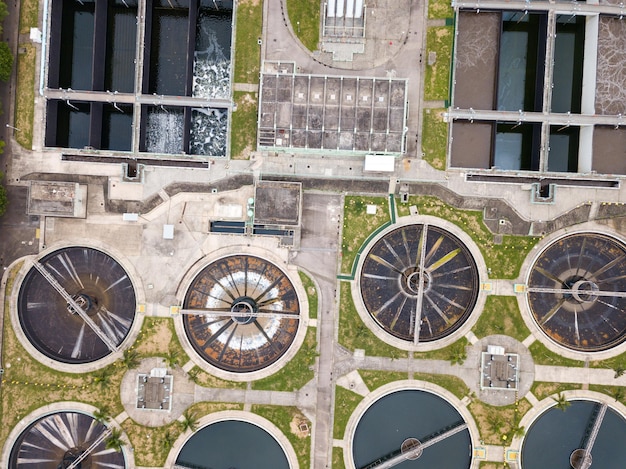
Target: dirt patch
(155, 337)
(251, 3)
(300, 426)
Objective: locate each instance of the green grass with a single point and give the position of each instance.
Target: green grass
(501, 315)
(282, 417)
(541, 389)
(437, 76)
(434, 138)
(25, 96)
(440, 9)
(453, 353)
(614, 392)
(148, 443)
(358, 225)
(243, 125)
(307, 13)
(374, 379)
(338, 458)
(29, 15)
(297, 372)
(311, 293)
(543, 356)
(247, 50)
(494, 422)
(345, 403)
(354, 334)
(611, 363)
(504, 260)
(453, 384)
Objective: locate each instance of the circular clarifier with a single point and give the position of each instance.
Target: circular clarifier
(564, 438)
(76, 305)
(417, 428)
(63, 439)
(419, 283)
(577, 291)
(232, 444)
(242, 313)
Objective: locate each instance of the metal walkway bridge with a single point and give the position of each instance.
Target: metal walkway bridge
(103, 436)
(397, 456)
(581, 458)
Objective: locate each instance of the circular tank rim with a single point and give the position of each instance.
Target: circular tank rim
(292, 273)
(242, 416)
(547, 403)
(130, 338)
(524, 306)
(49, 409)
(404, 385)
(463, 329)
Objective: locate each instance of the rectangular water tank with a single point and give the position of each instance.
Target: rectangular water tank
(358, 9)
(349, 8)
(331, 6)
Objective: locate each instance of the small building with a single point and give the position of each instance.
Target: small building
(498, 369)
(57, 199)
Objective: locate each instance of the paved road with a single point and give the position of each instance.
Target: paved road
(318, 255)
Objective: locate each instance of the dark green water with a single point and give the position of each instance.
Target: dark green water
(232, 444)
(551, 439)
(411, 413)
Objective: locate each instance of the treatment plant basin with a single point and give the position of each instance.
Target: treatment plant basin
(76, 305)
(241, 313)
(412, 429)
(584, 433)
(576, 291)
(419, 283)
(65, 439)
(232, 444)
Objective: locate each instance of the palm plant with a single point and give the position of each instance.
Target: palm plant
(130, 360)
(561, 402)
(103, 377)
(115, 440)
(102, 414)
(168, 440)
(172, 358)
(189, 421)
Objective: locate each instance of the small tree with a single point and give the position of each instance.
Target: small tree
(619, 371)
(103, 377)
(189, 421)
(617, 393)
(102, 414)
(115, 441)
(561, 402)
(130, 360)
(172, 358)
(458, 354)
(168, 440)
(6, 62)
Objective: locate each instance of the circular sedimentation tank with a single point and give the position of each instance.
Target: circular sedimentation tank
(58, 440)
(564, 438)
(97, 284)
(577, 291)
(419, 428)
(246, 313)
(419, 283)
(231, 444)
